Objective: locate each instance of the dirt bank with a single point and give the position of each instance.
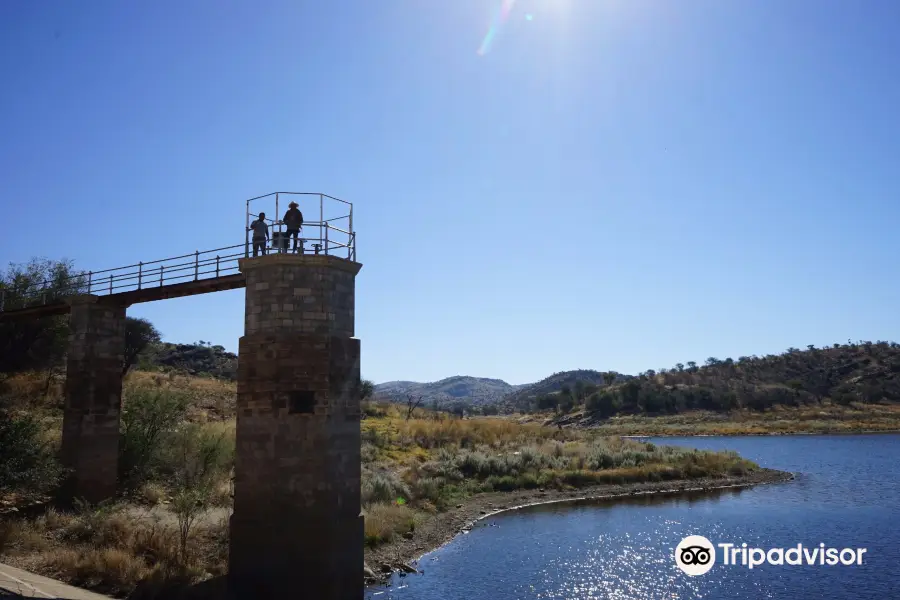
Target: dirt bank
(443, 527)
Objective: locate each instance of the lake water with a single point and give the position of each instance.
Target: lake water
(846, 495)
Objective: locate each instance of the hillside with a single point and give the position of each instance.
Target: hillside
(527, 397)
(844, 374)
(477, 391)
(201, 359)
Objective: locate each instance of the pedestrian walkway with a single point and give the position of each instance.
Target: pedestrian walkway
(16, 583)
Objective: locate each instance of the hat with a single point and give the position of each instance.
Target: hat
(292, 205)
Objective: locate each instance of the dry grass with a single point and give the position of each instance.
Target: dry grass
(111, 550)
(109, 570)
(210, 399)
(819, 419)
(151, 493)
(432, 463)
(384, 521)
(32, 389)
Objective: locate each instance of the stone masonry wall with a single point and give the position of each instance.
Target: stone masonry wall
(317, 297)
(93, 398)
(296, 523)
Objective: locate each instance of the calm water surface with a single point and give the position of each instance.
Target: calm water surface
(847, 494)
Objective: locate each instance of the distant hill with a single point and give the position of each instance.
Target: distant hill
(847, 374)
(194, 359)
(477, 391)
(524, 399)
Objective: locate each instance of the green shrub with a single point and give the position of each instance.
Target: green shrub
(382, 487)
(27, 463)
(148, 415)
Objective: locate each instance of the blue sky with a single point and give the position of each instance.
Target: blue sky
(618, 185)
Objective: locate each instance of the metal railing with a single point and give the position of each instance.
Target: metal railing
(334, 227)
(199, 265)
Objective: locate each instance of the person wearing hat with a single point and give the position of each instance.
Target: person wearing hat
(293, 221)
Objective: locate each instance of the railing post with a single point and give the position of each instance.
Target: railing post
(2, 299)
(217, 265)
(161, 275)
(110, 282)
(90, 276)
(326, 238)
(140, 268)
(196, 265)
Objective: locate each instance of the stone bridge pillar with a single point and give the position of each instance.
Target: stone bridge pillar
(297, 531)
(93, 398)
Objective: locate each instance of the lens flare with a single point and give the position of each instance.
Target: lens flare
(500, 18)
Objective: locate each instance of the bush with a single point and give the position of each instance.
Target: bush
(148, 415)
(199, 458)
(382, 486)
(27, 463)
(384, 521)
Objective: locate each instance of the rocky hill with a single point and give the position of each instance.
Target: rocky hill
(200, 358)
(477, 391)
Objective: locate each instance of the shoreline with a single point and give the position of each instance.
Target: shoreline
(638, 436)
(442, 528)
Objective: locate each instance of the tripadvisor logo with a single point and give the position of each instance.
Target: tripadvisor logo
(696, 555)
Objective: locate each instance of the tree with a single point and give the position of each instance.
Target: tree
(458, 409)
(609, 378)
(139, 333)
(366, 389)
(602, 403)
(36, 343)
(412, 403)
(548, 401)
(579, 390)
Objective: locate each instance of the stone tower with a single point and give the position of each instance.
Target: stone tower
(297, 531)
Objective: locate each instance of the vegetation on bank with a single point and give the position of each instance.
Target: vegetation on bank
(845, 375)
(177, 450)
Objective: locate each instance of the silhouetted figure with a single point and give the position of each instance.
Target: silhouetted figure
(260, 234)
(293, 221)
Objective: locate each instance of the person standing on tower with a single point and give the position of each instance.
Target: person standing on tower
(293, 221)
(260, 234)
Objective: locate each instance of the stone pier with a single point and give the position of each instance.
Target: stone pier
(297, 531)
(93, 398)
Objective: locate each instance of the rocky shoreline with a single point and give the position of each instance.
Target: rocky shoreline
(401, 554)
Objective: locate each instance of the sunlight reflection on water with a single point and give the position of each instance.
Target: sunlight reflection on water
(848, 496)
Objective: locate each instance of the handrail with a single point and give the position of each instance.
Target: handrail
(199, 265)
(208, 264)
